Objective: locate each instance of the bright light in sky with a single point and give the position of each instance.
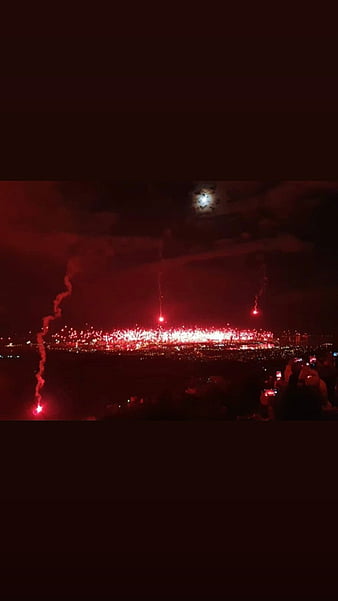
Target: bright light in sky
(204, 200)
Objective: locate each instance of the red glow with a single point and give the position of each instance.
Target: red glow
(161, 318)
(38, 409)
(255, 310)
(139, 338)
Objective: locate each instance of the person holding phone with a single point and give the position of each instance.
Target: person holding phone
(292, 364)
(302, 397)
(328, 374)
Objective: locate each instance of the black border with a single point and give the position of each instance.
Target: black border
(281, 478)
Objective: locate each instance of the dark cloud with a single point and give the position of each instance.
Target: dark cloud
(227, 248)
(313, 308)
(281, 200)
(36, 220)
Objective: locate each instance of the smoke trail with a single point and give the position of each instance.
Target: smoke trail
(264, 282)
(41, 335)
(160, 293)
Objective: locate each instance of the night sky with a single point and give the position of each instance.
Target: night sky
(212, 266)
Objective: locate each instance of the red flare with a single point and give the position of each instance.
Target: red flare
(41, 344)
(38, 409)
(255, 311)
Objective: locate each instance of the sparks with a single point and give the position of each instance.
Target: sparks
(139, 338)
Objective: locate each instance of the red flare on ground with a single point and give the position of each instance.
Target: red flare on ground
(38, 409)
(161, 318)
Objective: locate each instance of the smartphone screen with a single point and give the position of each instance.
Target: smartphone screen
(270, 392)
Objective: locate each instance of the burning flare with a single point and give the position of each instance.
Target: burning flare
(41, 343)
(255, 310)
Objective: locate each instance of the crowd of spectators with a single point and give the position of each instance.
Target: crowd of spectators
(306, 390)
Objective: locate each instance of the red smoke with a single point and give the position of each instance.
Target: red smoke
(40, 340)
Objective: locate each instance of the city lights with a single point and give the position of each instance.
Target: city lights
(141, 338)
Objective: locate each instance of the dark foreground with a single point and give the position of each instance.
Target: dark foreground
(79, 386)
(106, 386)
